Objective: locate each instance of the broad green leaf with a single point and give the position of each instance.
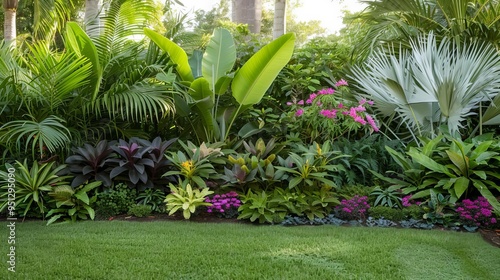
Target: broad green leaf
(176, 53)
(460, 186)
(428, 162)
(255, 77)
(219, 57)
(459, 161)
(195, 63)
(79, 42)
(200, 88)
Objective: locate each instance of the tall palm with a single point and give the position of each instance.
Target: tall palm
(279, 24)
(9, 26)
(395, 21)
(248, 12)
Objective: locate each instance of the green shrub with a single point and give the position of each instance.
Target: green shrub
(413, 212)
(114, 201)
(388, 213)
(140, 210)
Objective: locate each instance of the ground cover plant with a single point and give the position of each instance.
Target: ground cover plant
(181, 250)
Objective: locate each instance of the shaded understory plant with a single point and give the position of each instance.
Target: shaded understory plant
(32, 186)
(450, 166)
(89, 163)
(73, 203)
(115, 200)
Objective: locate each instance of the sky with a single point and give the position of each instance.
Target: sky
(330, 11)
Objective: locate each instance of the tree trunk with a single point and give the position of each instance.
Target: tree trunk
(279, 25)
(92, 20)
(248, 12)
(9, 25)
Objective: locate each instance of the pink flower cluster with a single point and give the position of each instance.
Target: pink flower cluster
(406, 201)
(357, 113)
(477, 212)
(223, 202)
(354, 208)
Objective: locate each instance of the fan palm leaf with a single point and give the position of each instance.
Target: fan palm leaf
(437, 83)
(49, 133)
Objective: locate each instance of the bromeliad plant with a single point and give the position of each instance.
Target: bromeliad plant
(32, 186)
(186, 199)
(195, 166)
(208, 77)
(313, 168)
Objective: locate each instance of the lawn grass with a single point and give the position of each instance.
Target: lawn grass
(188, 250)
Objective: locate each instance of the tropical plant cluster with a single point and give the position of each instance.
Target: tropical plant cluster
(131, 120)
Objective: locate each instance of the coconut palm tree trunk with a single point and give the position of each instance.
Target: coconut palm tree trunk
(248, 12)
(9, 25)
(279, 25)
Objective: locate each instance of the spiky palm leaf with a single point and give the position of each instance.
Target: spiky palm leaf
(398, 21)
(438, 83)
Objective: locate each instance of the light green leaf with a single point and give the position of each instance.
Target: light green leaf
(219, 57)
(176, 53)
(255, 77)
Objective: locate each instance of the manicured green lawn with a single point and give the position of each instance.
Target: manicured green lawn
(188, 250)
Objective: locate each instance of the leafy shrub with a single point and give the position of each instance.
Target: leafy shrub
(355, 208)
(90, 163)
(439, 209)
(477, 212)
(186, 199)
(388, 213)
(140, 210)
(366, 155)
(450, 166)
(326, 115)
(390, 197)
(115, 200)
(32, 186)
(225, 205)
(313, 167)
(259, 206)
(73, 203)
(413, 212)
(153, 198)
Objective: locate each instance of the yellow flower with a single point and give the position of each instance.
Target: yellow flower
(187, 165)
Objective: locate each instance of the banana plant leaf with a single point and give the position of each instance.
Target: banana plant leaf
(219, 57)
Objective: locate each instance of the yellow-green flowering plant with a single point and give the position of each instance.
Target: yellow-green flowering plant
(186, 199)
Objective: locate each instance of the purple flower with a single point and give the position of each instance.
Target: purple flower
(299, 112)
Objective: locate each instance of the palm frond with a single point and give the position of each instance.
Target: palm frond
(136, 103)
(49, 133)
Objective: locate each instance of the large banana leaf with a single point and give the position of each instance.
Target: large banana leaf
(79, 42)
(219, 56)
(176, 53)
(255, 77)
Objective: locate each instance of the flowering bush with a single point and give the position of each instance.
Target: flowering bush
(226, 205)
(353, 209)
(407, 201)
(327, 115)
(477, 212)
